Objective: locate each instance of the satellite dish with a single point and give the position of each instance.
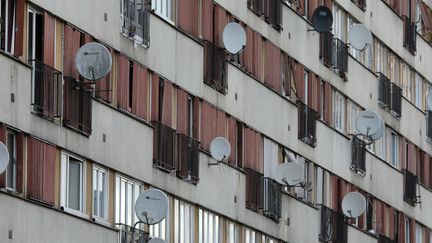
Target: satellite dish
(353, 205)
(220, 149)
(369, 124)
(290, 156)
(4, 157)
(151, 207)
(322, 19)
(360, 37)
(156, 240)
(93, 61)
(289, 174)
(429, 101)
(380, 132)
(234, 38)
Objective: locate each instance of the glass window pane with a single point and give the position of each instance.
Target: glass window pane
(74, 195)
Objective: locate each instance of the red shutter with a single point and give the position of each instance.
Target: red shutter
(379, 217)
(259, 165)
(182, 112)
(272, 73)
(187, 16)
(327, 103)
(20, 162)
(402, 153)
(221, 122)
(334, 192)
(123, 69)
(221, 20)
(167, 111)
(196, 118)
(207, 19)
(140, 94)
(249, 143)
(313, 4)
(248, 51)
(3, 140)
(391, 224)
(71, 46)
(154, 97)
(208, 124)
(104, 86)
(299, 80)
(232, 139)
(257, 58)
(412, 162)
(401, 235)
(19, 27)
(49, 174)
(426, 18)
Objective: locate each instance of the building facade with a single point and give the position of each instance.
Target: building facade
(81, 151)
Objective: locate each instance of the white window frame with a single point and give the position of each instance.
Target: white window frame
(232, 232)
(12, 162)
(97, 170)
(407, 230)
(250, 236)
(182, 221)
(7, 24)
(161, 230)
(419, 233)
(137, 38)
(210, 227)
(164, 8)
(339, 111)
(306, 86)
(64, 168)
(137, 188)
(353, 112)
(394, 149)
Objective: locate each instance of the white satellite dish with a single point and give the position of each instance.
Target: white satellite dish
(156, 240)
(234, 38)
(380, 132)
(220, 149)
(353, 205)
(93, 61)
(4, 157)
(289, 174)
(360, 37)
(368, 123)
(151, 207)
(429, 101)
(290, 156)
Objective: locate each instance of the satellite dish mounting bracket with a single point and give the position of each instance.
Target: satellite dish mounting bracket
(314, 30)
(300, 184)
(362, 138)
(217, 162)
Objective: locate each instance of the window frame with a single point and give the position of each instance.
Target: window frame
(98, 169)
(166, 11)
(394, 144)
(179, 225)
(117, 197)
(209, 227)
(7, 24)
(339, 108)
(12, 161)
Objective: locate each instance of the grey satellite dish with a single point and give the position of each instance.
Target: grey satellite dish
(380, 132)
(151, 207)
(290, 156)
(93, 61)
(234, 38)
(322, 19)
(156, 240)
(429, 101)
(360, 37)
(220, 149)
(369, 124)
(289, 174)
(353, 205)
(4, 157)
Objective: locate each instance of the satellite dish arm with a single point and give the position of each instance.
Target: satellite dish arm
(219, 161)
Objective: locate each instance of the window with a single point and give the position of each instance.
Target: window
(209, 227)
(339, 111)
(183, 222)
(11, 170)
(419, 233)
(233, 232)
(394, 151)
(267, 239)
(163, 8)
(100, 193)
(127, 192)
(418, 91)
(381, 147)
(7, 25)
(72, 183)
(160, 230)
(250, 236)
(353, 111)
(306, 87)
(339, 23)
(135, 20)
(407, 230)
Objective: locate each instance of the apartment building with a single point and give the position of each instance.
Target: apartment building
(81, 151)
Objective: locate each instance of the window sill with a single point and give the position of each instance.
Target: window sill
(101, 221)
(74, 212)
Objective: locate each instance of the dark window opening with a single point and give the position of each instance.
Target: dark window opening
(187, 158)
(254, 189)
(410, 34)
(358, 163)
(333, 227)
(307, 124)
(164, 145)
(215, 67)
(131, 78)
(410, 188)
(272, 199)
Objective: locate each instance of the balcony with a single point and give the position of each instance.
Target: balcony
(358, 163)
(334, 53)
(254, 189)
(272, 199)
(135, 21)
(126, 235)
(429, 126)
(333, 227)
(410, 188)
(273, 13)
(360, 3)
(396, 100)
(77, 106)
(307, 124)
(390, 96)
(256, 6)
(164, 145)
(410, 35)
(47, 89)
(385, 239)
(215, 67)
(187, 158)
(326, 45)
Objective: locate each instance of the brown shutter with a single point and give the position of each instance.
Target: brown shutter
(182, 112)
(220, 21)
(49, 174)
(259, 165)
(3, 140)
(71, 46)
(391, 223)
(412, 161)
(86, 112)
(402, 153)
(104, 86)
(207, 19)
(257, 58)
(425, 16)
(140, 94)
(154, 97)
(167, 112)
(287, 73)
(412, 230)
(221, 122)
(19, 27)
(248, 51)
(248, 148)
(413, 10)
(313, 4)
(123, 68)
(196, 118)
(401, 231)
(187, 16)
(301, 7)
(426, 170)
(379, 217)
(327, 103)
(334, 192)
(20, 162)
(48, 41)
(232, 139)
(299, 80)
(269, 64)
(427, 235)
(208, 125)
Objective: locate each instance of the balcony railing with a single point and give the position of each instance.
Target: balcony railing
(385, 239)
(254, 189)
(187, 158)
(273, 13)
(272, 199)
(164, 145)
(360, 3)
(126, 235)
(396, 100)
(215, 67)
(410, 188)
(340, 56)
(429, 126)
(47, 89)
(410, 35)
(257, 6)
(77, 106)
(307, 124)
(326, 45)
(333, 227)
(358, 163)
(384, 90)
